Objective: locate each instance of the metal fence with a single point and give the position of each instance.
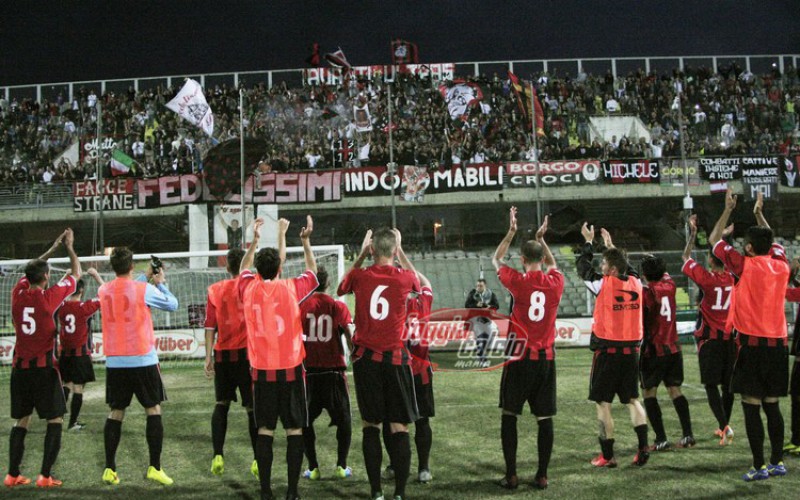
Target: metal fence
(294, 77)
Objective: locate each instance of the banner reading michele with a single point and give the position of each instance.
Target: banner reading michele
(117, 195)
(635, 171)
(553, 173)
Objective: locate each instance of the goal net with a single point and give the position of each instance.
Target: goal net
(179, 334)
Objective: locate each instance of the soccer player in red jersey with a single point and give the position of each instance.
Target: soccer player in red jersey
(383, 378)
(793, 295)
(75, 361)
(326, 322)
(716, 348)
(229, 365)
(530, 373)
(35, 381)
(761, 372)
(275, 349)
(661, 358)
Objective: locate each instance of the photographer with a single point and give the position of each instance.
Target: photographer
(481, 297)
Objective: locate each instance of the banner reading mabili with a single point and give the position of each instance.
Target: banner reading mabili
(191, 105)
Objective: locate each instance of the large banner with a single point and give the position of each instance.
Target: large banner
(376, 181)
(335, 76)
(117, 195)
(553, 173)
(297, 187)
(672, 173)
(760, 175)
(631, 171)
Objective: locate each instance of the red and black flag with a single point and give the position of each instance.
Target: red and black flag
(313, 59)
(338, 60)
(404, 52)
(525, 94)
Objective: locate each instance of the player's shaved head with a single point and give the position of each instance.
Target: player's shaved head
(322, 278)
(615, 258)
(36, 271)
(121, 260)
(384, 243)
(235, 256)
(268, 263)
(532, 251)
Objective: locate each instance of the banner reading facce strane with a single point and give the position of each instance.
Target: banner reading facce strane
(117, 195)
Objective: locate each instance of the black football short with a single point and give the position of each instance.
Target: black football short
(328, 391)
(275, 397)
(424, 395)
(794, 390)
(614, 375)
(230, 376)
(653, 370)
(384, 391)
(716, 358)
(39, 389)
(529, 380)
(761, 371)
(76, 369)
(144, 382)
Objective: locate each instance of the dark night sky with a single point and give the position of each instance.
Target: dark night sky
(92, 40)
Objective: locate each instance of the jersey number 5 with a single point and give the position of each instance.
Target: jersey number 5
(28, 321)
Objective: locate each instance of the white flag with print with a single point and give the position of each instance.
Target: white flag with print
(191, 105)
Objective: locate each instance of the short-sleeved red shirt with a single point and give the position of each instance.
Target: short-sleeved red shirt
(323, 317)
(717, 288)
(73, 320)
(660, 323)
(33, 310)
(536, 297)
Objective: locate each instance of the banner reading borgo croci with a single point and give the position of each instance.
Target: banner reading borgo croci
(553, 173)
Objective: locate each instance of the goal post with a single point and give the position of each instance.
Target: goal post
(179, 334)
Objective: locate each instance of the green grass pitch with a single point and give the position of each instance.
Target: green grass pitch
(466, 459)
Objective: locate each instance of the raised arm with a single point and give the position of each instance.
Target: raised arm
(423, 280)
(502, 248)
(96, 276)
(75, 266)
(722, 223)
(305, 238)
(283, 227)
(366, 248)
(606, 238)
(758, 210)
(247, 260)
(401, 255)
(222, 219)
(687, 252)
(549, 260)
(50, 251)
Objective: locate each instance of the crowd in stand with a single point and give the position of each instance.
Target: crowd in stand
(729, 112)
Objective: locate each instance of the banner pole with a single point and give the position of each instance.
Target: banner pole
(686, 196)
(536, 160)
(243, 226)
(99, 106)
(392, 166)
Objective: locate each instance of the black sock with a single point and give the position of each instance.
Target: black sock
(111, 436)
(52, 445)
(66, 394)
(344, 435)
(310, 438)
(294, 462)
(386, 435)
(544, 443)
(681, 405)
(373, 456)
(641, 435)
(251, 426)
(264, 459)
(727, 402)
(775, 430)
(508, 437)
(401, 460)
(75, 408)
(755, 432)
(16, 448)
(715, 403)
(154, 431)
(607, 448)
(423, 439)
(219, 428)
(795, 422)
(656, 420)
